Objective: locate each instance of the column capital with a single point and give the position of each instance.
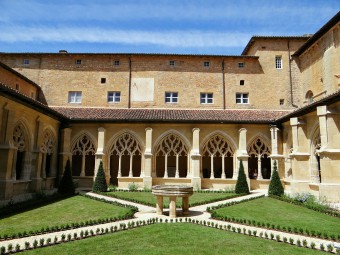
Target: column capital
(148, 129)
(296, 121)
(242, 130)
(196, 129)
(101, 129)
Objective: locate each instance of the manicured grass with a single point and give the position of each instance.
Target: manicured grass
(147, 197)
(177, 238)
(70, 210)
(270, 210)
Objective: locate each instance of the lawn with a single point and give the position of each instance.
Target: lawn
(148, 198)
(177, 238)
(270, 210)
(66, 211)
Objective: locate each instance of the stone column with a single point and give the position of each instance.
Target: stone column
(242, 153)
(37, 158)
(322, 113)
(294, 122)
(275, 152)
(159, 207)
(100, 152)
(185, 205)
(172, 207)
(196, 160)
(147, 175)
(65, 149)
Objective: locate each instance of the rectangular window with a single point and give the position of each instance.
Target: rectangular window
(116, 63)
(206, 64)
(102, 80)
(113, 96)
(78, 61)
(171, 97)
(26, 61)
(74, 97)
(207, 98)
(282, 101)
(241, 65)
(172, 62)
(241, 82)
(242, 98)
(278, 62)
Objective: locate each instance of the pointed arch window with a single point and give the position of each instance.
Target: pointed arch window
(171, 157)
(83, 156)
(46, 148)
(315, 159)
(20, 142)
(125, 157)
(217, 158)
(259, 162)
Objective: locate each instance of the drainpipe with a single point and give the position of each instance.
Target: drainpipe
(223, 82)
(290, 76)
(129, 97)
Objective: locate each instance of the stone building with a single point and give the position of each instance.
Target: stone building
(175, 119)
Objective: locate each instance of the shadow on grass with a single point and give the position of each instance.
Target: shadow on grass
(28, 205)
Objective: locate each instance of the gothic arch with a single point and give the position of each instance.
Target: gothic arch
(125, 156)
(231, 141)
(259, 165)
(315, 145)
(217, 151)
(120, 133)
(171, 152)
(21, 140)
(47, 148)
(83, 155)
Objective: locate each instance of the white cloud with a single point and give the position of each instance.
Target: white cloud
(173, 38)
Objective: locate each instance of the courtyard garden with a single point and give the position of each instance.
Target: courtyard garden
(177, 238)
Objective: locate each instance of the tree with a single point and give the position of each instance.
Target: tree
(275, 186)
(66, 185)
(241, 184)
(100, 184)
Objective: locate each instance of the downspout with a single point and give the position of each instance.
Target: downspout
(129, 98)
(223, 82)
(290, 76)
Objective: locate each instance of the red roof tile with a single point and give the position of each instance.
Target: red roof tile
(169, 115)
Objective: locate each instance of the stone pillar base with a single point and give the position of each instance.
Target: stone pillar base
(37, 184)
(6, 189)
(147, 182)
(196, 183)
(159, 206)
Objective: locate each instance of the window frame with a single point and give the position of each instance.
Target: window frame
(242, 97)
(75, 97)
(241, 64)
(116, 62)
(102, 80)
(206, 98)
(278, 62)
(26, 61)
(206, 64)
(173, 99)
(172, 63)
(114, 98)
(242, 82)
(78, 61)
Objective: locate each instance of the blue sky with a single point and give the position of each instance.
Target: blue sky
(154, 26)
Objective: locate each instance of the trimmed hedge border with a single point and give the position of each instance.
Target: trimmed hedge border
(109, 194)
(133, 224)
(69, 238)
(314, 208)
(74, 225)
(287, 229)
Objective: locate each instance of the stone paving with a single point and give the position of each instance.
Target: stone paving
(197, 214)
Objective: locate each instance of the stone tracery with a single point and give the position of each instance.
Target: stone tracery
(84, 148)
(258, 149)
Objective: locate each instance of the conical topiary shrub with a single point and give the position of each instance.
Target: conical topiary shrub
(275, 186)
(241, 184)
(100, 184)
(66, 185)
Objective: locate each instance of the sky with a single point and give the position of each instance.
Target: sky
(209, 27)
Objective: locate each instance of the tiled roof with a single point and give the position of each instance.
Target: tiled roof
(15, 95)
(169, 115)
(318, 34)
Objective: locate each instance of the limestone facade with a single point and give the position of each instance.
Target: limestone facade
(175, 119)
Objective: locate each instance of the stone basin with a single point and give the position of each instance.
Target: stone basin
(172, 191)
